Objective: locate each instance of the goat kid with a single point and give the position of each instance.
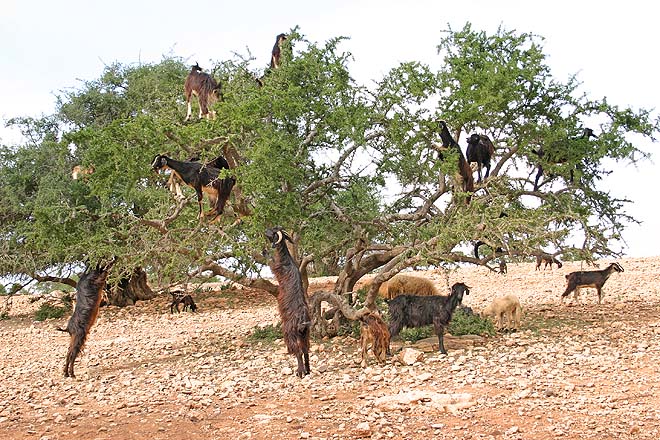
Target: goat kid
(375, 335)
(291, 299)
(506, 311)
(480, 150)
(203, 179)
(89, 292)
(205, 87)
(594, 278)
(182, 298)
(418, 311)
(547, 259)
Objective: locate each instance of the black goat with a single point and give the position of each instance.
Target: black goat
(291, 299)
(89, 292)
(205, 87)
(203, 179)
(548, 260)
(277, 51)
(418, 311)
(594, 278)
(480, 150)
(556, 157)
(182, 298)
(464, 170)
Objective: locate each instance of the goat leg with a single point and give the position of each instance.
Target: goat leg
(301, 367)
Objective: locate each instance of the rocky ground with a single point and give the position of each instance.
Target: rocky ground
(573, 371)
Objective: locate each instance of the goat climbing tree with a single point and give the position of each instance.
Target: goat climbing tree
(356, 174)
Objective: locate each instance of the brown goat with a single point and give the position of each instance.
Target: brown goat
(374, 334)
(464, 175)
(277, 51)
(205, 87)
(547, 259)
(291, 299)
(89, 292)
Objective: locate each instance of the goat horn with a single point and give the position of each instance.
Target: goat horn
(279, 237)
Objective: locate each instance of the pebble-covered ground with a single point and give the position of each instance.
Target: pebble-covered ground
(573, 371)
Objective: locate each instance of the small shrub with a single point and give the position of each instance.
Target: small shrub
(47, 311)
(415, 334)
(268, 333)
(464, 324)
(4, 316)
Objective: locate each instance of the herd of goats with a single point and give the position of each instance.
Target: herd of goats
(412, 301)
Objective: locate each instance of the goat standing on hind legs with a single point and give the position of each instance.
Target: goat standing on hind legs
(89, 292)
(291, 299)
(205, 87)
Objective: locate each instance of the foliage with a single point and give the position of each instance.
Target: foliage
(417, 333)
(4, 315)
(268, 333)
(49, 311)
(470, 324)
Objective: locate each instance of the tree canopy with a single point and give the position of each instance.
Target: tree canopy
(355, 173)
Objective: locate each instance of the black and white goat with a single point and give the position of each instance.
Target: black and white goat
(202, 178)
(291, 299)
(418, 311)
(205, 87)
(480, 150)
(464, 174)
(586, 278)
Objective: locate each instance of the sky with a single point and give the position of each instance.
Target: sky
(51, 46)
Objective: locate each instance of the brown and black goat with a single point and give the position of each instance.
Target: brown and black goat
(291, 299)
(464, 175)
(202, 178)
(276, 53)
(547, 260)
(374, 334)
(205, 87)
(418, 311)
(480, 150)
(594, 278)
(89, 293)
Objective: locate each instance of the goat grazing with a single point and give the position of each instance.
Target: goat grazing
(506, 311)
(291, 299)
(374, 333)
(480, 150)
(205, 87)
(182, 298)
(418, 311)
(547, 259)
(464, 170)
(203, 179)
(276, 54)
(406, 284)
(586, 278)
(556, 157)
(89, 292)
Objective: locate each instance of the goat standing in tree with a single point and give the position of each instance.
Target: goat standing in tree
(291, 299)
(480, 150)
(594, 278)
(205, 87)
(555, 157)
(203, 179)
(276, 54)
(89, 292)
(464, 171)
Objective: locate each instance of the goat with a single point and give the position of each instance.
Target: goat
(77, 172)
(464, 175)
(203, 179)
(182, 298)
(89, 292)
(418, 311)
(205, 87)
(586, 278)
(173, 182)
(374, 333)
(557, 157)
(480, 150)
(506, 311)
(548, 260)
(277, 51)
(401, 284)
(291, 299)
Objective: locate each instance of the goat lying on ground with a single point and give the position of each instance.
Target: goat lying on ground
(182, 298)
(291, 300)
(412, 285)
(548, 260)
(418, 311)
(594, 278)
(480, 150)
(506, 311)
(374, 334)
(464, 175)
(207, 90)
(203, 178)
(89, 292)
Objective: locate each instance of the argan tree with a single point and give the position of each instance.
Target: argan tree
(356, 174)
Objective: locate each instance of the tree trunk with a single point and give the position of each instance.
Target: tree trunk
(131, 289)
